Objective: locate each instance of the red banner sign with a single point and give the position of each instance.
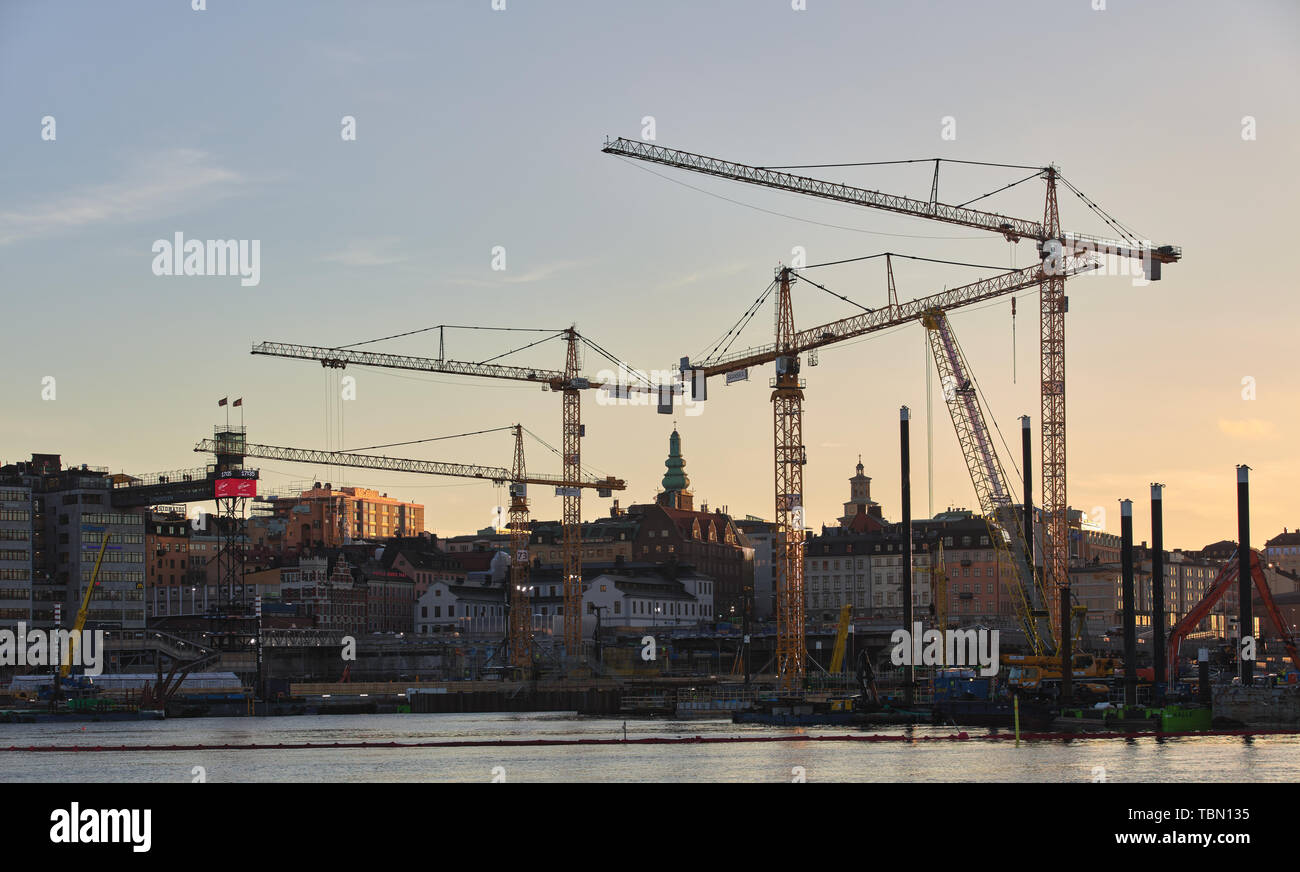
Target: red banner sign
(236, 487)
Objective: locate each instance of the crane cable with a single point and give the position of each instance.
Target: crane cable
(882, 163)
(983, 400)
(741, 323)
(614, 359)
(886, 254)
(583, 467)
(1112, 222)
(906, 257)
(1000, 190)
(838, 296)
(448, 327)
(522, 348)
(431, 439)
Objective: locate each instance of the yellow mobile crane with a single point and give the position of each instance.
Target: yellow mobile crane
(66, 667)
(841, 638)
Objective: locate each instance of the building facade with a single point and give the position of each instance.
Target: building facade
(17, 562)
(1283, 551)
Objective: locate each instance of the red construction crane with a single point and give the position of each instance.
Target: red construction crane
(568, 382)
(1223, 583)
(518, 478)
(1053, 245)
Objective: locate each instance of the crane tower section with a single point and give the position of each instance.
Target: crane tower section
(787, 408)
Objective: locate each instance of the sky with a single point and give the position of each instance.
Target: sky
(478, 131)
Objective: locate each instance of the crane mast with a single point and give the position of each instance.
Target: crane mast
(1051, 349)
(521, 620)
(787, 409)
(572, 527)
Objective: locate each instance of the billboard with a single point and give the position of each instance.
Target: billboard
(236, 487)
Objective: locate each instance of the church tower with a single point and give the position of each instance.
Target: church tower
(676, 484)
(860, 502)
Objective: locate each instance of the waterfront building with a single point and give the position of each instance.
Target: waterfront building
(17, 564)
(326, 517)
(170, 575)
(74, 511)
(1283, 551)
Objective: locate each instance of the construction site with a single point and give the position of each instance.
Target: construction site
(1172, 674)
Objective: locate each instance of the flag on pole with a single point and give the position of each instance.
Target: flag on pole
(222, 401)
(238, 402)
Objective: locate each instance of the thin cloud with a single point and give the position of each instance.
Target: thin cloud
(536, 274)
(160, 184)
(1248, 428)
(705, 275)
(368, 252)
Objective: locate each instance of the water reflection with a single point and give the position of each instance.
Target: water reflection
(1207, 758)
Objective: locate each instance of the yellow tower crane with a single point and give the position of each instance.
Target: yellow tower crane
(1056, 248)
(569, 383)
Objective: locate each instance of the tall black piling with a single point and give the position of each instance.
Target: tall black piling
(904, 418)
(1027, 461)
(1243, 572)
(1158, 589)
(1130, 611)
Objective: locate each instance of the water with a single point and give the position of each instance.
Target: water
(1200, 759)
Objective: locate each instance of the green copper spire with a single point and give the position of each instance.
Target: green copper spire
(675, 478)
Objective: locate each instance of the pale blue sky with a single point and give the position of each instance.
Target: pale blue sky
(479, 128)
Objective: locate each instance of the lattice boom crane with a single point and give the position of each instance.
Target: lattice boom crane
(569, 383)
(1053, 244)
(990, 480)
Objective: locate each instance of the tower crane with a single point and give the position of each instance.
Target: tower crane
(233, 447)
(569, 382)
(1053, 245)
(787, 403)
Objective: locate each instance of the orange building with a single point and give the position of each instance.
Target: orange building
(326, 517)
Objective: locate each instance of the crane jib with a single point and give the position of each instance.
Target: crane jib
(1013, 229)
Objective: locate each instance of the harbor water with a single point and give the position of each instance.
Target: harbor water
(1167, 759)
